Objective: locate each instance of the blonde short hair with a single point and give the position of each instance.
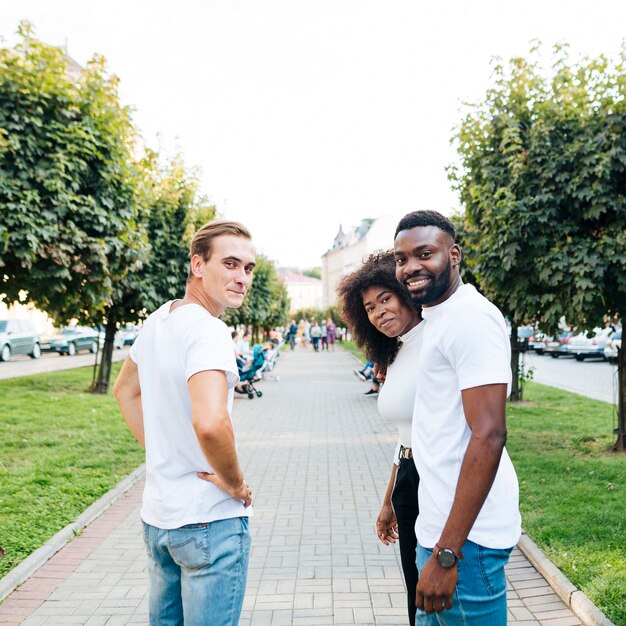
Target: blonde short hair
(202, 241)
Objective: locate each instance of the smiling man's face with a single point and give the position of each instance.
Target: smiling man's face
(227, 275)
(427, 264)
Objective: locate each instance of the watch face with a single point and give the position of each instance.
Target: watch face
(446, 558)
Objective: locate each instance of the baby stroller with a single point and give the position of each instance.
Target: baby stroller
(248, 374)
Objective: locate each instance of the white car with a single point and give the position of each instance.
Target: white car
(583, 347)
(129, 334)
(118, 339)
(613, 345)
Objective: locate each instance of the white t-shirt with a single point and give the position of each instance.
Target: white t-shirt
(171, 348)
(396, 398)
(465, 345)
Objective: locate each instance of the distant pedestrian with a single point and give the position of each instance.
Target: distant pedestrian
(306, 332)
(324, 337)
(366, 372)
(468, 494)
(331, 330)
(175, 391)
(316, 333)
(292, 334)
(388, 329)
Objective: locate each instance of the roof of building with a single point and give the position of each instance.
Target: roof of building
(354, 235)
(289, 276)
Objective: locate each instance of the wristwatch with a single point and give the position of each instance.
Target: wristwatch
(446, 557)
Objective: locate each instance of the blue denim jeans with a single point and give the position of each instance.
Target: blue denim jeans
(197, 573)
(480, 594)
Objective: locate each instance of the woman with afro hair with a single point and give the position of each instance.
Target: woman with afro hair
(389, 329)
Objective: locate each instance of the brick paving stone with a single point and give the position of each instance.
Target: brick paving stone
(318, 456)
(562, 621)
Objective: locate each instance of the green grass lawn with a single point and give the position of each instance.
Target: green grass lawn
(573, 490)
(61, 448)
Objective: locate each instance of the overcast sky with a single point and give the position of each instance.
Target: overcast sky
(307, 115)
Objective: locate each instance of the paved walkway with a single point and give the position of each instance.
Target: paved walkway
(318, 457)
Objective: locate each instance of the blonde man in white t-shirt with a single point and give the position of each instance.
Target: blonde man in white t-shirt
(175, 391)
(468, 494)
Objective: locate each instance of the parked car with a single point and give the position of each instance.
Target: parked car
(129, 334)
(582, 347)
(71, 340)
(118, 339)
(558, 345)
(612, 346)
(538, 342)
(524, 333)
(18, 337)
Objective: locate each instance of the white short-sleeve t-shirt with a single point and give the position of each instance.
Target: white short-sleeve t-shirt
(171, 348)
(465, 345)
(396, 398)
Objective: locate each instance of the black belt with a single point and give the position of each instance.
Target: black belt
(405, 453)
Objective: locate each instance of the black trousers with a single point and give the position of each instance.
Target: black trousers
(404, 500)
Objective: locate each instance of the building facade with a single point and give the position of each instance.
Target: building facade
(350, 248)
(304, 291)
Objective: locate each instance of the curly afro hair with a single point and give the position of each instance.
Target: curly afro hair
(379, 269)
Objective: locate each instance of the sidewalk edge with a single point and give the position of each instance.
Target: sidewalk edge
(575, 599)
(20, 573)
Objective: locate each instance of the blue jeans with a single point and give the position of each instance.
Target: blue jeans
(197, 573)
(480, 595)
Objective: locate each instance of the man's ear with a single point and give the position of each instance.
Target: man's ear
(197, 265)
(455, 255)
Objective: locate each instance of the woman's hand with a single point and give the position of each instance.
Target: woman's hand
(387, 525)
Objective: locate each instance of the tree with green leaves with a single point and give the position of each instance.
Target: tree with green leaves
(542, 179)
(87, 230)
(171, 210)
(313, 272)
(314, 313)
(279, 310)
(69, 219)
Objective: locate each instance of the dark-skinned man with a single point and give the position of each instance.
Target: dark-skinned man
(468, 495)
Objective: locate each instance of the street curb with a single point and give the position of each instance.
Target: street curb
(573, 597)
(39, 557)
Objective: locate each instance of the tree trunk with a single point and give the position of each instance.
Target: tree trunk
(95, 364)
(516, 391)
(620, 444)
(104, 373)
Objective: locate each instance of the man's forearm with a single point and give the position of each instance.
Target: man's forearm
(127, 392)
(133, 416)
(217, 441)
(478, 471)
